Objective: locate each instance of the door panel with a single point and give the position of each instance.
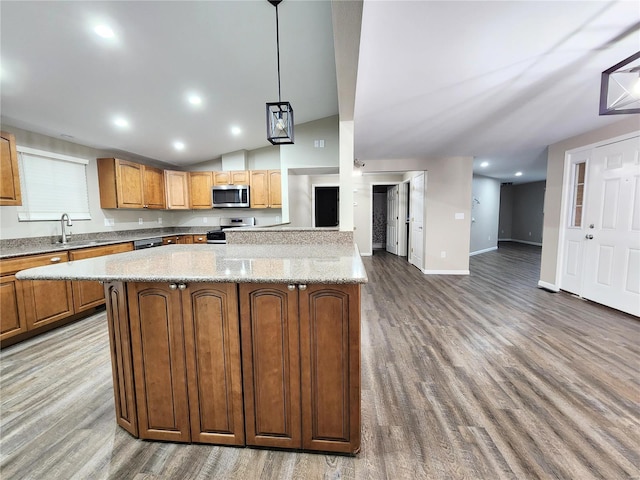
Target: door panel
(158, 362)
(392, 220)
(416, 246)
(212, 338)
(271, 365)
(611, 237)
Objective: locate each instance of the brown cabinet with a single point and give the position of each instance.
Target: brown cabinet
(87, 295)
(43, 301)
(301, 366)
(200, 238)
(200, 189)
(125, 184)
(12, 316)
(9, 173)
(266, 189)
(177, 188)
(233, 177)
(194, 397)
(177, 240)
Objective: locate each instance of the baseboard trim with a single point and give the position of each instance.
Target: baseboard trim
(365, 254)
(504, 239)
(485, 250)
(445, 272)
(548, 286)
(537, 244)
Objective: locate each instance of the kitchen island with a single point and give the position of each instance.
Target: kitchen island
(254, 345)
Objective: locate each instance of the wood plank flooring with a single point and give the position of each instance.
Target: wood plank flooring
(463, 377)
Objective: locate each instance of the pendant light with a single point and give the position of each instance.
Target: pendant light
(279, 114)
(620, 87)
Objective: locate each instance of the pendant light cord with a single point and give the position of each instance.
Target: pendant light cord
(278, 50)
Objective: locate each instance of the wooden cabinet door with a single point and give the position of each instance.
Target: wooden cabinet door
(270, 365)
(221, 178)
(47, 301)
(200, 238)
(158, 361)
(12, 317)
(121, 360)
(154, 196)
(212, 340)
(200, 189)
(88, 295)
(275, 189)
(240, 177)
(129, 184)
(330, 367)
(177, 188)
(9, 173)
(259, 191)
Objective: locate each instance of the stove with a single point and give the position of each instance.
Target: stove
(218, 236)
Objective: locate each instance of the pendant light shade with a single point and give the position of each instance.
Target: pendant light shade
(279, 123)
(620, 87)
(279, 114)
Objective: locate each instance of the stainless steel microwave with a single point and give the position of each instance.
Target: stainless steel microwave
(230, 196)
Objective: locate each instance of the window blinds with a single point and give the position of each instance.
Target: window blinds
(52, 184)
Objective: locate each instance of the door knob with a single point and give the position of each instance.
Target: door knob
(589, 236)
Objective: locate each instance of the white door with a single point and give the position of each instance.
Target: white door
(612, 226)
(392, 220)
(416, 212)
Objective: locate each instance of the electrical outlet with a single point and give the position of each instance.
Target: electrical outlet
(109, 222)
(443, 254)
(159, 220)
(205, 219)
(529, 233)
(140, 221)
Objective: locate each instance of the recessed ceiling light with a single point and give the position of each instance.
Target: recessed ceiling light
(104, 31)
(484, 164)
(236, 130)
(195, 100)
(178, 145)
(518, 174)
(121, 122)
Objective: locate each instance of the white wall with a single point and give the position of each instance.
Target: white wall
(485, 207)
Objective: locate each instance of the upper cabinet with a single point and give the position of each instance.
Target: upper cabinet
(9, 175)
(265, 189)
(125, 184)
(234, 177)
(200, 188)
(177, 185)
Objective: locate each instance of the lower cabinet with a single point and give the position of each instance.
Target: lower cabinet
(301, 366)
(87, 295)
(12, 317)
(197, 396)
(181, 373)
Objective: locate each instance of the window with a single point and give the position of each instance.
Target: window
(579, 170)
(52, 184)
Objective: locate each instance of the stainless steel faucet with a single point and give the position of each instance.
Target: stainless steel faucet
(62, 222)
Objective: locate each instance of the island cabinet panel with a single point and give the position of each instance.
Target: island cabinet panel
(271, 365)
(212, 340)
(330, 366)
(121, 361)
(158, 361)
(87, 295)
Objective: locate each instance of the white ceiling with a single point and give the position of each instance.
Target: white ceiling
(495, 80)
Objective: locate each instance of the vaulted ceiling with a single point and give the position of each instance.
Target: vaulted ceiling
(495, 80)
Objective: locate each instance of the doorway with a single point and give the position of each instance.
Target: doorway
(386, 231)
(326, 208)
(600, 245)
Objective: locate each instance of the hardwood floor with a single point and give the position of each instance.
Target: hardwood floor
(463, 377)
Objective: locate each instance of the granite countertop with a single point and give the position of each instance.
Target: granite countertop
(328, 264)
(26, 248)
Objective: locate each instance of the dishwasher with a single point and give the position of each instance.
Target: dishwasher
(147, 243)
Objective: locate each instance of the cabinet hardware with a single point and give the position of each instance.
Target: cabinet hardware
(173, 286)
(291, 287)
(302, 287)
(169, 241)
(55, 259)
(589, 236)
(182, 286)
